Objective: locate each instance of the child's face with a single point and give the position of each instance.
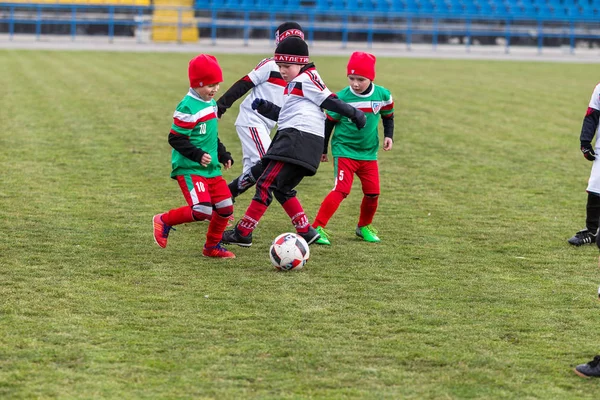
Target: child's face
(289, 71)
(207, 92)
(358, 83)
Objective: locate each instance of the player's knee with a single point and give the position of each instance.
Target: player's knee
(224, 208)
(341, 193)
(372, 195)
(201, 211)
(282, 197)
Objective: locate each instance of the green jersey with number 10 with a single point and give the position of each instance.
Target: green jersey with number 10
(196, 119)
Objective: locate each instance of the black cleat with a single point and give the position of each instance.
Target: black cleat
(311, 236)
(589, 370)
(582, 237)
(234, 237)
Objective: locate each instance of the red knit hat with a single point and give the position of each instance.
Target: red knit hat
(362, 64)
(204, 70)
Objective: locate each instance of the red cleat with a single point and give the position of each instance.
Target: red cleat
(217, 251)
(161, 231)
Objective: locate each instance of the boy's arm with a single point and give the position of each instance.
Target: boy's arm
(182, 144)
(266, 109)
(388, 126)
(222, 153)
(237, 90)
(332, 103)
(588, 130)
(329, 125)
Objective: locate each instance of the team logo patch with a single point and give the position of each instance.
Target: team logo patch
(290, 87)
(376, 106)
(216, 109)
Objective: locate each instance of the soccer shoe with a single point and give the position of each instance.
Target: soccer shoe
(367, 233)
(582, 237)
(591, 369)
(324, 239)
(234, 237)
(161, 231)
(311, 235)
(217, 251)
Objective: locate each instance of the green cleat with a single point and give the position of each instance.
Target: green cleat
(367, 233)
(324, 239)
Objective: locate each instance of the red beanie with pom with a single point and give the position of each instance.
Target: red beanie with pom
(204, 70)
(362, 64)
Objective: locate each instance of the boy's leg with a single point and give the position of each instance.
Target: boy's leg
(344, 169)
(283, 186)
(246, 180)
(223, 208)
(368, 173)
(198, 208)
(255, 141)
(589, 233)
(242, 233)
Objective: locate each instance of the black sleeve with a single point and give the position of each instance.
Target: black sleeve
(222, 153)
(269, 110)
(388, 126)
(590, 124)
(232, 94)
(332, 103)
(329, 125)
(182, 144)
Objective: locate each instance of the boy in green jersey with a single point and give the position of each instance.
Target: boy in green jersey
(355, 151)
(195, 160)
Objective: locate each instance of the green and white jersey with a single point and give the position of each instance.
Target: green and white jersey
(196, 119)
(349, 142)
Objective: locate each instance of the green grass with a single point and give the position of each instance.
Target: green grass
(473, 293)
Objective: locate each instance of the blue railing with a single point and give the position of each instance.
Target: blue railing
(73, 16)
(218, 19)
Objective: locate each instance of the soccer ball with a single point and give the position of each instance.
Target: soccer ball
(289, 251)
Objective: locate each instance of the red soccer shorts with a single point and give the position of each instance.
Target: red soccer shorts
(367, 172)
(198, 189)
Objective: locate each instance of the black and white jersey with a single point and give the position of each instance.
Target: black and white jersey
(268, 85)
(302, 98)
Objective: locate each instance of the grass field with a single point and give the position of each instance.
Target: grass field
(473, 292)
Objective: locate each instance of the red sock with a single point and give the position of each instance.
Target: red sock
(216, 227)
(253, 214)
(294, 209)
(328, 207)
(368, 207)
(178, 216)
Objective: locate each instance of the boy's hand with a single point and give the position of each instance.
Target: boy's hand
(206, 159)
(324, 158)
(387, 144)
(228, 164)
(258, 103)
(588, 151)
(359, 119)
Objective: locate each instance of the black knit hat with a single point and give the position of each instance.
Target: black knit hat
(292, 50)
(288, 29)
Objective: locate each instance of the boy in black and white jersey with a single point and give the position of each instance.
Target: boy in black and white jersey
(297, 147)
(253, 129)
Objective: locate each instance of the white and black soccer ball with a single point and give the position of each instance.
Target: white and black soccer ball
(289, 251)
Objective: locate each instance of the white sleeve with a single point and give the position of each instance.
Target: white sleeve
(595, 100)
(314, 89)
(261, 73)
